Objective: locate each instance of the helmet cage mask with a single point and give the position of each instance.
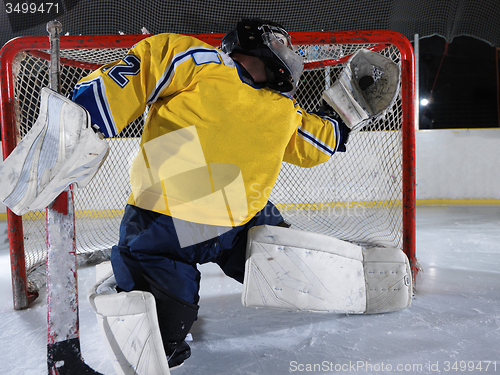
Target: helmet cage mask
(285, 57)
(272, 44)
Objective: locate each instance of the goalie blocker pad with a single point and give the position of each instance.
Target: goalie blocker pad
(60, 149)
(296, 270)
(366, 88)
(129, 326)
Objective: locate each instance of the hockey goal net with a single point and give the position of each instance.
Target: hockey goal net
(365, 195)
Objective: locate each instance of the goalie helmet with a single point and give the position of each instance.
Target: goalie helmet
(272, 44)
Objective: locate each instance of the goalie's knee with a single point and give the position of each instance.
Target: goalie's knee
(129, 325)
(298, 270)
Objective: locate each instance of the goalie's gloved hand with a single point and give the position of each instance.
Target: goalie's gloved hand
(328, 111)
(344, 136)
(366, 88)
(325, 108)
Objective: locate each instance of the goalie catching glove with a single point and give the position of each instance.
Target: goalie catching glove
(60, 149)
(365, 89)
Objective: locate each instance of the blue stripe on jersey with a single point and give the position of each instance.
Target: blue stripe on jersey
(316, 142)
(200, 55)
(92, 96)
(336, 130)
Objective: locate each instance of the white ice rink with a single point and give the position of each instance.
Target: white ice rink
(452, 327)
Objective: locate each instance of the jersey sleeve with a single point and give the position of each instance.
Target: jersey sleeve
(316, 139)
(118, 93)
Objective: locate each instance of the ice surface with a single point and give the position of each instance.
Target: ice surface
(454, 319)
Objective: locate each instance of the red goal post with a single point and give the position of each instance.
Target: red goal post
(366, 196)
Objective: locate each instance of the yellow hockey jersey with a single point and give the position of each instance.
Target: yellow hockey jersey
(213, 142)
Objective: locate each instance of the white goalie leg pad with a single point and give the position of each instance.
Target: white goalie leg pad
(129, 325)
(296, 270)
(366, 88)
(60, 149)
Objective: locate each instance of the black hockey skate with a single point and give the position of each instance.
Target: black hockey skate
(177, 354)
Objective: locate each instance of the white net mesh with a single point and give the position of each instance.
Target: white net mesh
(356, 196)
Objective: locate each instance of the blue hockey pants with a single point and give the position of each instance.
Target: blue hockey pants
(149, 248)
